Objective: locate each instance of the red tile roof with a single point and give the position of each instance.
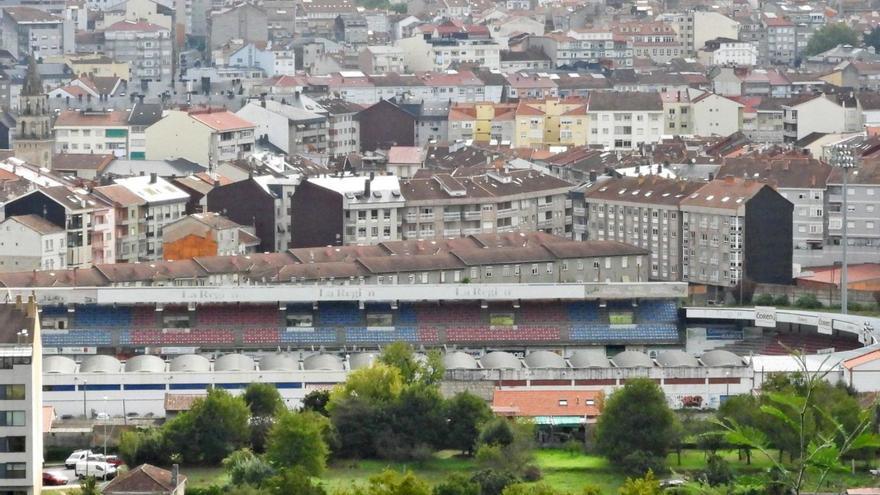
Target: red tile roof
(557, 402)
(92, 119)
(220, 120)
(831, 274)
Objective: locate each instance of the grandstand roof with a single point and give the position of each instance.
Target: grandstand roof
(677, 359)
(100, 364)
(325, 362)
(59, 364)
(459, 360)
(191, 363)
(544, 359)
(719, 357)
(279, 362)
(589, 359)
(500, 360)
(361, 360)
(234, 362)
(632, 359)
(145, 364)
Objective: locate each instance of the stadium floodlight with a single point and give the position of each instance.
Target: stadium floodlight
(844, 157)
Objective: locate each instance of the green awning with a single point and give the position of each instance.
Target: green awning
(560, 420)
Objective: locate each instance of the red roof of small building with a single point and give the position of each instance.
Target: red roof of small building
(220, 120)
(557, 402)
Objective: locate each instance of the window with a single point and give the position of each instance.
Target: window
(12, 444)
(13, 470)
(12, 418)
(563, 403)
(534, 269)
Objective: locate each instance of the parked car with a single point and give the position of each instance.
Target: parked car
(54, 478)
(76, 456)
(114, 460)
(95, 466)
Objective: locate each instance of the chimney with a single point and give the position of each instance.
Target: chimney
(175, 475)
(593, 176)
(729, 179)
(366, 187)
(152, 177)
(711, 176)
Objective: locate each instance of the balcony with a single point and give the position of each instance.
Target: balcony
(568, 219)
(411, 218)
(545, 224)
(426, 234)
(579, 228)
(473, 215)
(426, 217)
(580, 212)
(545, 206)
(452, 216)
(451, 232)
(411, 234)
(835, 198)
(471, 231)
(568, 203)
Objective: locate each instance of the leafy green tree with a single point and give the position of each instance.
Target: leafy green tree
(646, 485)
(358, 424)
(378, 384)
(457, 484)
(717, 471)
(297, 439)
(506, 446)
(263, 399)
(418, 424)
(465, 415)
(498, 431)
(143, 446)
(493, 482)
(391, 482)
(822, 440)
(873, 38)
(294, 481)
(829, 36)
(246, 468)
(212, 429)
(744, 411)
(636, 428)
(426, 371)
(316, 401)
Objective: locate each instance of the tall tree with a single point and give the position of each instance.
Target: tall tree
(212, 429)
(379, 383)
(636, 428)
(427, 370)
(263, 399)
(829, 36)
(873, 39)
(465, 414)
(297, 439)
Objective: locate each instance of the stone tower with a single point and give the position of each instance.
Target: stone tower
(34, 142)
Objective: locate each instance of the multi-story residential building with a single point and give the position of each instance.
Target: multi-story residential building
(204, 136)
(343, 127)
(779, 45)
(583, 45)
(521, 85)
(129, 222)
(87, 220)
(642, 211)
(245, 21)
(30, 242)
(380, 59)
(714, 115)
(22, 378)
(727, 51)
(530, 59)
(147, 48)
(482, 122)
(709, 25)
(336, 211)
(206, 234)
(84, 131)
(142, 115)
(163, 203)
(351, 29)
(656, 40)
(863, 214)
(446, 205)
(273, 59)
(26, 32)
(551, 122)
(735, 229)
(820, 113)
(259, 204)
(438, 54)
(802, 181)
(291, 128)
(625, 121)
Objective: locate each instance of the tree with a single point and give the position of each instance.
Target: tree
(636, 426)
(377, 384)
(143, 447)
(296, 481)
(873, 39)
(822, 440)
(493, 482)
(358, 424)
(297, 439)
(717, 471)
(829, 36)
(263, 399)
(465, 414)
(89, 486)
(457, 484)
(245, 468)
(212, 429)
(391, 482)
(742, 410)
(316, 401)
(427, 370)
(498, 431)
(506, 445)
(418, 421)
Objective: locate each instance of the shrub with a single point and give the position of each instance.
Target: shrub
(717, 471)
(457, 485)
(808, 301)
(493, 482)
(641, 461)
(532, 473)
(763, 300)
(781, 300)
(854, 306)
(573, 447)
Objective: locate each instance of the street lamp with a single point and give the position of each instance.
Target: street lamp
(106, 420)
(843, 156)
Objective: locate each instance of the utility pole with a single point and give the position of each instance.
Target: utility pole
(843, 156)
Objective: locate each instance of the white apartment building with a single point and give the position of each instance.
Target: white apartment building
(624, 121)
(84, 131)
(439, 55)
(30, 242)
(202, 136)
(21, 399)
(381, 59)
(146, 47)
(163, 204)
(725, 51)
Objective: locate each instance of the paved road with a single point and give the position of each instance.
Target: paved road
(68, 473)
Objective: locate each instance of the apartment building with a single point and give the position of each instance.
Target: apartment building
(292, 129)
(551, 122)
(727, 51)
(27, 31)
(343, 126)
(624, 120)
(129, 222)
(92, 131)
(439, 54)
(87, 221)
(243, 21)
(162, 204)
(446, 205)
(736, 229)
(339, 211)
(142, 115)
(145, 47)
(820, 113)
(802, 181)
(206, 234)
(482, 122)
(204, 136)
(779, 44)
(863, 215)
(714, 115)
(656, 40)
(380, 59)
(30, 242)
(583, 45)
(642, 211)
(21, 391)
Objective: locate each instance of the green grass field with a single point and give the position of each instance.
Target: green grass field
(562, 470)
